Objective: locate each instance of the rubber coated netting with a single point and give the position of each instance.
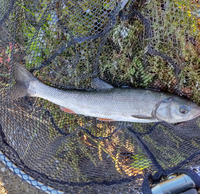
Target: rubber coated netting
(151, 44)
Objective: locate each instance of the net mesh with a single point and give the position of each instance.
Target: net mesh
(66, 44)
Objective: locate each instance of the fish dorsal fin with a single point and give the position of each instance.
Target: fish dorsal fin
(100, 85)
(142, 117)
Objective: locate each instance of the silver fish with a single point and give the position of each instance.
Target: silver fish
(113, 104)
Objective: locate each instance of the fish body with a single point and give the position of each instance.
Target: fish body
(114, 104)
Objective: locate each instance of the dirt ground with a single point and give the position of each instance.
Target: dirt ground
(10, 183)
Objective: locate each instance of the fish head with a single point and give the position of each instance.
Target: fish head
(176, 109)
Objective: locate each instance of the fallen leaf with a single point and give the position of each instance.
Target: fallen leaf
(187, 91)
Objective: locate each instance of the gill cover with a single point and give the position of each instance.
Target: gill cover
(162, 110)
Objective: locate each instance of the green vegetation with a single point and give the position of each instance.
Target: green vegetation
(141, 162)
(178, 36)
(126, 65)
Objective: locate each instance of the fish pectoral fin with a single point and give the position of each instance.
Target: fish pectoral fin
(104, 119)
(67, 110)
(142, 117)
(100, 85)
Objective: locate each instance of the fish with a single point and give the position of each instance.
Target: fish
(109, 104)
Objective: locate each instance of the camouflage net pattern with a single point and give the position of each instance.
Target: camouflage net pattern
(152, 44)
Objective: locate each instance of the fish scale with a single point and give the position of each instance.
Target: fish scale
(114, 104)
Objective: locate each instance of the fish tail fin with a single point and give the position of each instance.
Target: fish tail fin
(21, 74)
(22, 77)
(19, 90)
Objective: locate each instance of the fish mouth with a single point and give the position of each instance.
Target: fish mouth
(195, 113)
(198, 113)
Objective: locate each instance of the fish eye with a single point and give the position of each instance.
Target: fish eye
(183, 110)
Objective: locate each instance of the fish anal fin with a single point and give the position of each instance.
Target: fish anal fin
(142, 117)
(67, 110)
(104, 119)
